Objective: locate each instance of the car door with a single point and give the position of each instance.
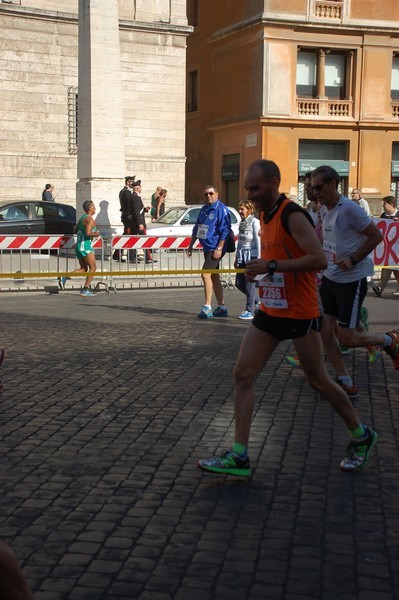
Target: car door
(17, 219)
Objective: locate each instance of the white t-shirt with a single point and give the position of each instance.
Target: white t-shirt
(342, 237)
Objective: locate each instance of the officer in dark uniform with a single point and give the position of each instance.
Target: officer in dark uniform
(136, 218)
(124, 196)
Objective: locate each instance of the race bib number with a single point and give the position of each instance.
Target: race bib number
(272, 293)
(330, 251)
(202, 232)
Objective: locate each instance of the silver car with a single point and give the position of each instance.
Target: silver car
(180, 220)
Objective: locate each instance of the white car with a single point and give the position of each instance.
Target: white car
(180, 220)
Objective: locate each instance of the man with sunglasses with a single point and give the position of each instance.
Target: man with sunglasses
(349, 236)
(212, 229)
(290, 254)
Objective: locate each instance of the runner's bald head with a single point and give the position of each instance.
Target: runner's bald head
(267, 168)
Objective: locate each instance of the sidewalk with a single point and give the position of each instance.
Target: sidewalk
(107, 404)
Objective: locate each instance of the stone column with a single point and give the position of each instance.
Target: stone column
(321, 75)
(101, 151)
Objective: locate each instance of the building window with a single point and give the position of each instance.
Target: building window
(192, 91)
(192, 13)
(73, 120)
(395, 78)
(324, 74)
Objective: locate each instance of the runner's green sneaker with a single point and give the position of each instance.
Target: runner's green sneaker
(293, 361)
(364, 316)
(358, 450)
(229, 463)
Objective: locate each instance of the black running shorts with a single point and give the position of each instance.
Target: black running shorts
(283, 328)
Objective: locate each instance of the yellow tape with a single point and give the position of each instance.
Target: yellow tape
(116, 273)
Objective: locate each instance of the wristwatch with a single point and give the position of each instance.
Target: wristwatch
(353, 260)
(271, 267)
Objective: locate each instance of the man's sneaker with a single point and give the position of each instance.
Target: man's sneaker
(364, 317)
(205, 313)
(393, 349)
(377, 290)
(351, 391)
(358, 451)
(229, 463)
(2, 355)
(293, 361)
(246, 315)
(344, 349)
(375, 353)
(396, 292)
(220, 312)
(86, 292)
(62, 281)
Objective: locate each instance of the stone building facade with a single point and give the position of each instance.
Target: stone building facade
(39, 91)
(301, 82)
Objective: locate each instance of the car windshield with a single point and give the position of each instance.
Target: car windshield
(171, 216)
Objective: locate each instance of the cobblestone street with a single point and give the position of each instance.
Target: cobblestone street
(108, 402)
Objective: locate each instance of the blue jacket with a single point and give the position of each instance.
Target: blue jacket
(213, 224)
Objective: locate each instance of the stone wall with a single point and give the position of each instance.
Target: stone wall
(39, 64)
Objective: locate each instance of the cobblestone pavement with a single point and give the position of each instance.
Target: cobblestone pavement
(108, 403)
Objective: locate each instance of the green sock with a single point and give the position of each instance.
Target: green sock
(240, 449)
(357, 433)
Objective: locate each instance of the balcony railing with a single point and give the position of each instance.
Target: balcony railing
(337, 109)
(328, 9)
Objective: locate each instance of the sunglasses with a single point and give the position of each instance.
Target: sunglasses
(208, 194)
(317, 188)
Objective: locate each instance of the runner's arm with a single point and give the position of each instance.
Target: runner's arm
(305, 236)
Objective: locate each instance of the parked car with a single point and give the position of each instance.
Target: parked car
(179, 220)
(36, 217)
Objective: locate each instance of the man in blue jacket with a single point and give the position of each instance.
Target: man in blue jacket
(212, 229)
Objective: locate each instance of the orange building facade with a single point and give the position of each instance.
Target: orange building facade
(300, 82)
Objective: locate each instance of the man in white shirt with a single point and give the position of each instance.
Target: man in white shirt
(357, 197)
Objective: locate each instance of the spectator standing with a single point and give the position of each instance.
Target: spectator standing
(356, 197)
(212, 228)
(137, 222)
(291, 252)
(154, 203)
(248, 248)
(124, 197)
(390, 212)
(47, 193)
(161, 203)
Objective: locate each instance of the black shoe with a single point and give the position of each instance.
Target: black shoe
(377, 290)
(149, 262)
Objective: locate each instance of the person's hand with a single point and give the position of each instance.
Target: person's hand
(256, 266)
(345, 264)
(141, 227)
(189, 251)
(217, 254)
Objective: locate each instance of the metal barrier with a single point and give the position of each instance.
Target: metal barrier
(31, 262)
(34, 262)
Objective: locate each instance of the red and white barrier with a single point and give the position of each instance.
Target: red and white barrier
(41, 242)
(385, 254)
(138, 242)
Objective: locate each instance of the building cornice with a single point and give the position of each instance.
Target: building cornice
(301, 124)
(298, 22)
(49, 15)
